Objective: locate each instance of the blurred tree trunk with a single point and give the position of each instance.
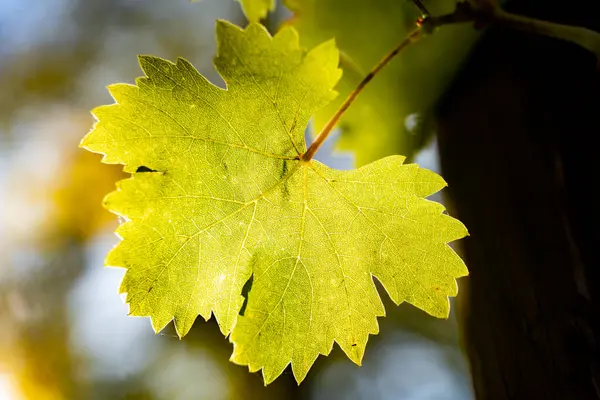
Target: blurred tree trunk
(517, 137)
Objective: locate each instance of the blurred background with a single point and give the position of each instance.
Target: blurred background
(64, 330)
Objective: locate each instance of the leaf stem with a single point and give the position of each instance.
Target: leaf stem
(412, 37)
(482, 13)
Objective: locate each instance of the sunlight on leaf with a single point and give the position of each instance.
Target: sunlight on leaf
(220, 208)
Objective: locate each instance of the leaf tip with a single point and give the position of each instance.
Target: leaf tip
(182, 328)
(158, 324)
(149, 65)
(144, 61)
(144, 58)
(107, 199)
(223, 27)
(299, 378)
(83, 142)
(269, 377)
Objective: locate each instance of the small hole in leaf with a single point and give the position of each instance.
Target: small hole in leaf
(143, 168)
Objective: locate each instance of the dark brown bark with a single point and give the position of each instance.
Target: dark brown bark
(517, 135)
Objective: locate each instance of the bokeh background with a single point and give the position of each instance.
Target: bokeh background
(64, 330)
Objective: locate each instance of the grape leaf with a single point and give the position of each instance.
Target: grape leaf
(221, 208)
(374, 126)
(255, 10)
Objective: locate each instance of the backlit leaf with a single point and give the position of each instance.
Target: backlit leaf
(220, 208)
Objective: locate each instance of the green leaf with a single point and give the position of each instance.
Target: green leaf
(374, 126)
(221, 198)
(255, 10)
